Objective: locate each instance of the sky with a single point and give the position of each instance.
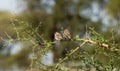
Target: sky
(9, 5)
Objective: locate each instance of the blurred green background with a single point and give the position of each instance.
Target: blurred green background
(53, 15)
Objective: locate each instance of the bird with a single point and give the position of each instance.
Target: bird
(58, 36)
(66, 34)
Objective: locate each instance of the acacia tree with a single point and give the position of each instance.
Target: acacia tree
(59, 15)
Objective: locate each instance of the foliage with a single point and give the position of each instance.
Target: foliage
(93, 52)
(89, 48)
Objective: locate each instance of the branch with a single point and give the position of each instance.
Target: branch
(94, 42)
(85, 40)
(70, 54)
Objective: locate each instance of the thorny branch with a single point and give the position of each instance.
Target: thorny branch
(85, 40)
(69, 54)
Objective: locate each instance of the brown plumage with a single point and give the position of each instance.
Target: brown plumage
(67, 34)
(57, 36)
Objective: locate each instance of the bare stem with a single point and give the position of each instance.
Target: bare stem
(70, 54)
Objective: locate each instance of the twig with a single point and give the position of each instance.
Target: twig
(70, 54)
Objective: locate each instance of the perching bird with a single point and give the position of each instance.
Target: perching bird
(57, 36)
(67, 34)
